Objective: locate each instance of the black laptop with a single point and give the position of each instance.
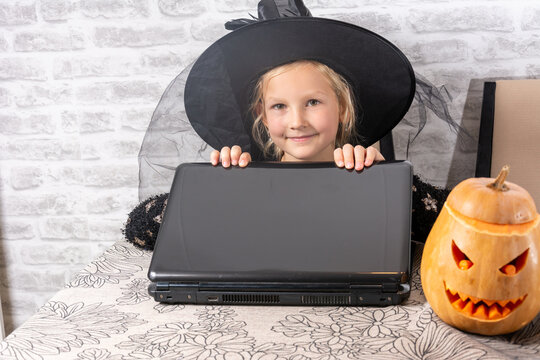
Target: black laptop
(285, 234)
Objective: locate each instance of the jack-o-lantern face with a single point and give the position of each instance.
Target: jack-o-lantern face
(483, 276)
(492, 307)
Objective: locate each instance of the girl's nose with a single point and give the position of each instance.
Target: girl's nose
(297, 119)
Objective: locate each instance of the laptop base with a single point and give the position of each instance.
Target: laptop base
(186, 294)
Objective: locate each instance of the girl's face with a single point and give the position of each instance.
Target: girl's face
(301, 112)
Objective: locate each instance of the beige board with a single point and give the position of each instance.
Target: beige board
(516, 133)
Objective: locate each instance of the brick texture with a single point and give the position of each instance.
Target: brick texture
(49, 40)
(56, 10)
(4, 97)
(531, 18)
(22, 68)
(115, 8)
(182, 7)
(461, 18)
(80, 79)
(17, 12)
(21, 123)
(139, 36)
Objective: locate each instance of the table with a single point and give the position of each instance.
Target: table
(105, 313)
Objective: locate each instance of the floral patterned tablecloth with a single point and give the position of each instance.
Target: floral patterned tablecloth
(105, 313)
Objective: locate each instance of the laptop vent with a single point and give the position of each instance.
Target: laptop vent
(251, 299)
(326, 300)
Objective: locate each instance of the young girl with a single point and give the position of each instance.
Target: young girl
(289, 87)
(303, 111)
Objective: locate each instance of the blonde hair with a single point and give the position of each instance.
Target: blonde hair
(344, 93)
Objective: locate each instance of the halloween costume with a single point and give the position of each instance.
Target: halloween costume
(219, 86)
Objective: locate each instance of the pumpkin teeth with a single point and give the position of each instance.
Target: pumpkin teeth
(469, 308)
(514, 301)
(458, 304)
(494, 313)
(482, 309)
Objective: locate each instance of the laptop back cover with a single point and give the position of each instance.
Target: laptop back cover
(285, 223)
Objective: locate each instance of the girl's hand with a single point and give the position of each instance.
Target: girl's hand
(229, 157)
(356, 157)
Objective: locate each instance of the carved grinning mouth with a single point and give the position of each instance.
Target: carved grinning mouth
(482, 308)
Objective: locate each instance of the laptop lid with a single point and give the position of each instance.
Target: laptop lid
(284, 222)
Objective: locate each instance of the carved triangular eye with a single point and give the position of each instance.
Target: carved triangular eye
(462, 261)
(515, 266)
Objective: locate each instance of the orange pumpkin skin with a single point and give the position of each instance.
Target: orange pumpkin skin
(467, 263)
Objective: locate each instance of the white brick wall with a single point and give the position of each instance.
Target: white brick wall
(79, 80)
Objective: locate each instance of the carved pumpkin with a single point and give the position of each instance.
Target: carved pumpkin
(480, 269)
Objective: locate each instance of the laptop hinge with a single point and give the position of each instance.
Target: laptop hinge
(384, 287)
(162, 286)
(390, 287)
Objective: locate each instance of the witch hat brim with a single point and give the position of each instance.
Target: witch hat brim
(219, 87)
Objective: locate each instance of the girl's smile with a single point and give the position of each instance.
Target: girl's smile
(301, 112)
(301, 139)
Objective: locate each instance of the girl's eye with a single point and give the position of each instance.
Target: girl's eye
(313, 102)
(278, 106)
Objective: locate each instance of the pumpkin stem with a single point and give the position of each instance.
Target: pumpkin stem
(499, 184)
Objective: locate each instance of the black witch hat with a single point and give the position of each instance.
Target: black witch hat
(219, 87)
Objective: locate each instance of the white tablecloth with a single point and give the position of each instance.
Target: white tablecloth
(105, 313)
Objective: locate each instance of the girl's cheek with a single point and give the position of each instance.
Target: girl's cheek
(274, 131)
(273, 122)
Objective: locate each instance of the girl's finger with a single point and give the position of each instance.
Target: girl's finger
(348, 156)
(359, 154)
(226, 156)
(214, 157)
(245, 159)
(236, 151)
(338, 157)
(377, 156)
(370, 155)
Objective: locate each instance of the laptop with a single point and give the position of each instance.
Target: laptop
(281, 233)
